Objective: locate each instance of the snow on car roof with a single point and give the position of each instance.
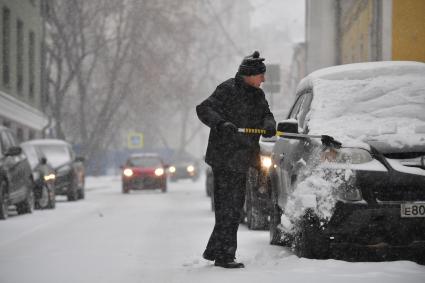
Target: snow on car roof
(144, 155)
(378, 101)
(46, 142)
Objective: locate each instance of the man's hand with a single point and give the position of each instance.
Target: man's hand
(270, 131)
(228, 128)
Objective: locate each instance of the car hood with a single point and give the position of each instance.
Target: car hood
(386, 148)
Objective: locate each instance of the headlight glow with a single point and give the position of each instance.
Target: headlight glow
(352, 194)
(347, 155)
(159, 171)
(128, 172)
(266, 162)
(190, 168)
(172, 169)
(49, 177)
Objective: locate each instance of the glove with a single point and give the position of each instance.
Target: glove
(228, 128)
(270, 131)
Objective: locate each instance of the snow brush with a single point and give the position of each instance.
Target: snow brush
(326, 140)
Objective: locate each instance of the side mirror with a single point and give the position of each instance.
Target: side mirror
(13, 151)
(288, 126)
(80, 159)
(43, 160)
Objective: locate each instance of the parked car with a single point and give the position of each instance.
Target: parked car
(144, 171)
(15, 176)
(367, 198)
(69, 168)
(43, 177)
(183, 168)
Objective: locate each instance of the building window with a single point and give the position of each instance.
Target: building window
(31, 58)
(31, 134)
(6, 46)
(20, 135)
(6, 123)
(19, 56)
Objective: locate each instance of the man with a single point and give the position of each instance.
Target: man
(236, 103)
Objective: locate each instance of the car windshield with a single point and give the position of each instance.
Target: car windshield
(56, 155)
(144, 162)
(386, 107)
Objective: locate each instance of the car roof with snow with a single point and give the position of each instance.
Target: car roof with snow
(46, 142)
(140, 155)
(369, 102)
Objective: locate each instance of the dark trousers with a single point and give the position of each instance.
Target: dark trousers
(229, 198)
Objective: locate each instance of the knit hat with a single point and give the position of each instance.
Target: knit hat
(252, 65)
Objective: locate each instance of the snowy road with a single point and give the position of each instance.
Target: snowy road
(153, 237)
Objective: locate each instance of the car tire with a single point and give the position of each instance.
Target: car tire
(52, 198)
(4, 203)
(255, 216)
(73, 193)
(81, 193)
(43, 199)
(275, 221)
(309, 241)
(125, 189)
(26, 206)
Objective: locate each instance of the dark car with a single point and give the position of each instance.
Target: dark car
(144, 171)
(366, 199)
(15, 176)
(69, 169)
(43, 177)
(183, 168)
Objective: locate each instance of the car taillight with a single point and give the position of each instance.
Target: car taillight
(159, 172)
(128, 172)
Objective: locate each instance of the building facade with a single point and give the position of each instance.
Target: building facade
(21, 36)
(363, 30)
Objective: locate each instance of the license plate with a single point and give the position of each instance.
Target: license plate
(416, 209)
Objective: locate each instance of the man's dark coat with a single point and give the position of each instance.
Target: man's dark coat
(246, 107)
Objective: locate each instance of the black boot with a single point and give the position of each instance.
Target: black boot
(229, 264)
(208, 256)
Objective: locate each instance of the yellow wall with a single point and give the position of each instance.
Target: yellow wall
(408, 30)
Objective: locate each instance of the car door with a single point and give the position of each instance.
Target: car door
(11, 166)
(289, 152)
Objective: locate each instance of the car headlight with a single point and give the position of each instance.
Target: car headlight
(128, 172)
(347, 155)
(49, 177)
(190, 168)
(159, 171)
(266, 162)
(350, 194)
(172, 169)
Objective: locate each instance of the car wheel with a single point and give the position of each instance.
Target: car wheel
(81, 193)
(4, 204)
(73, 193)
(256, 218)
(43, 199)
(275, 215)
(125, 189)
(27, 206)
(52, 198)
(309, 241)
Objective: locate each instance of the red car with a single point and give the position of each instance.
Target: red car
(144, 171)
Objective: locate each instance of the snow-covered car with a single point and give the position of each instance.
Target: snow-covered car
(43, 177)
(15, 176)
(69, 168)
(144, 171)
(365, 199)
